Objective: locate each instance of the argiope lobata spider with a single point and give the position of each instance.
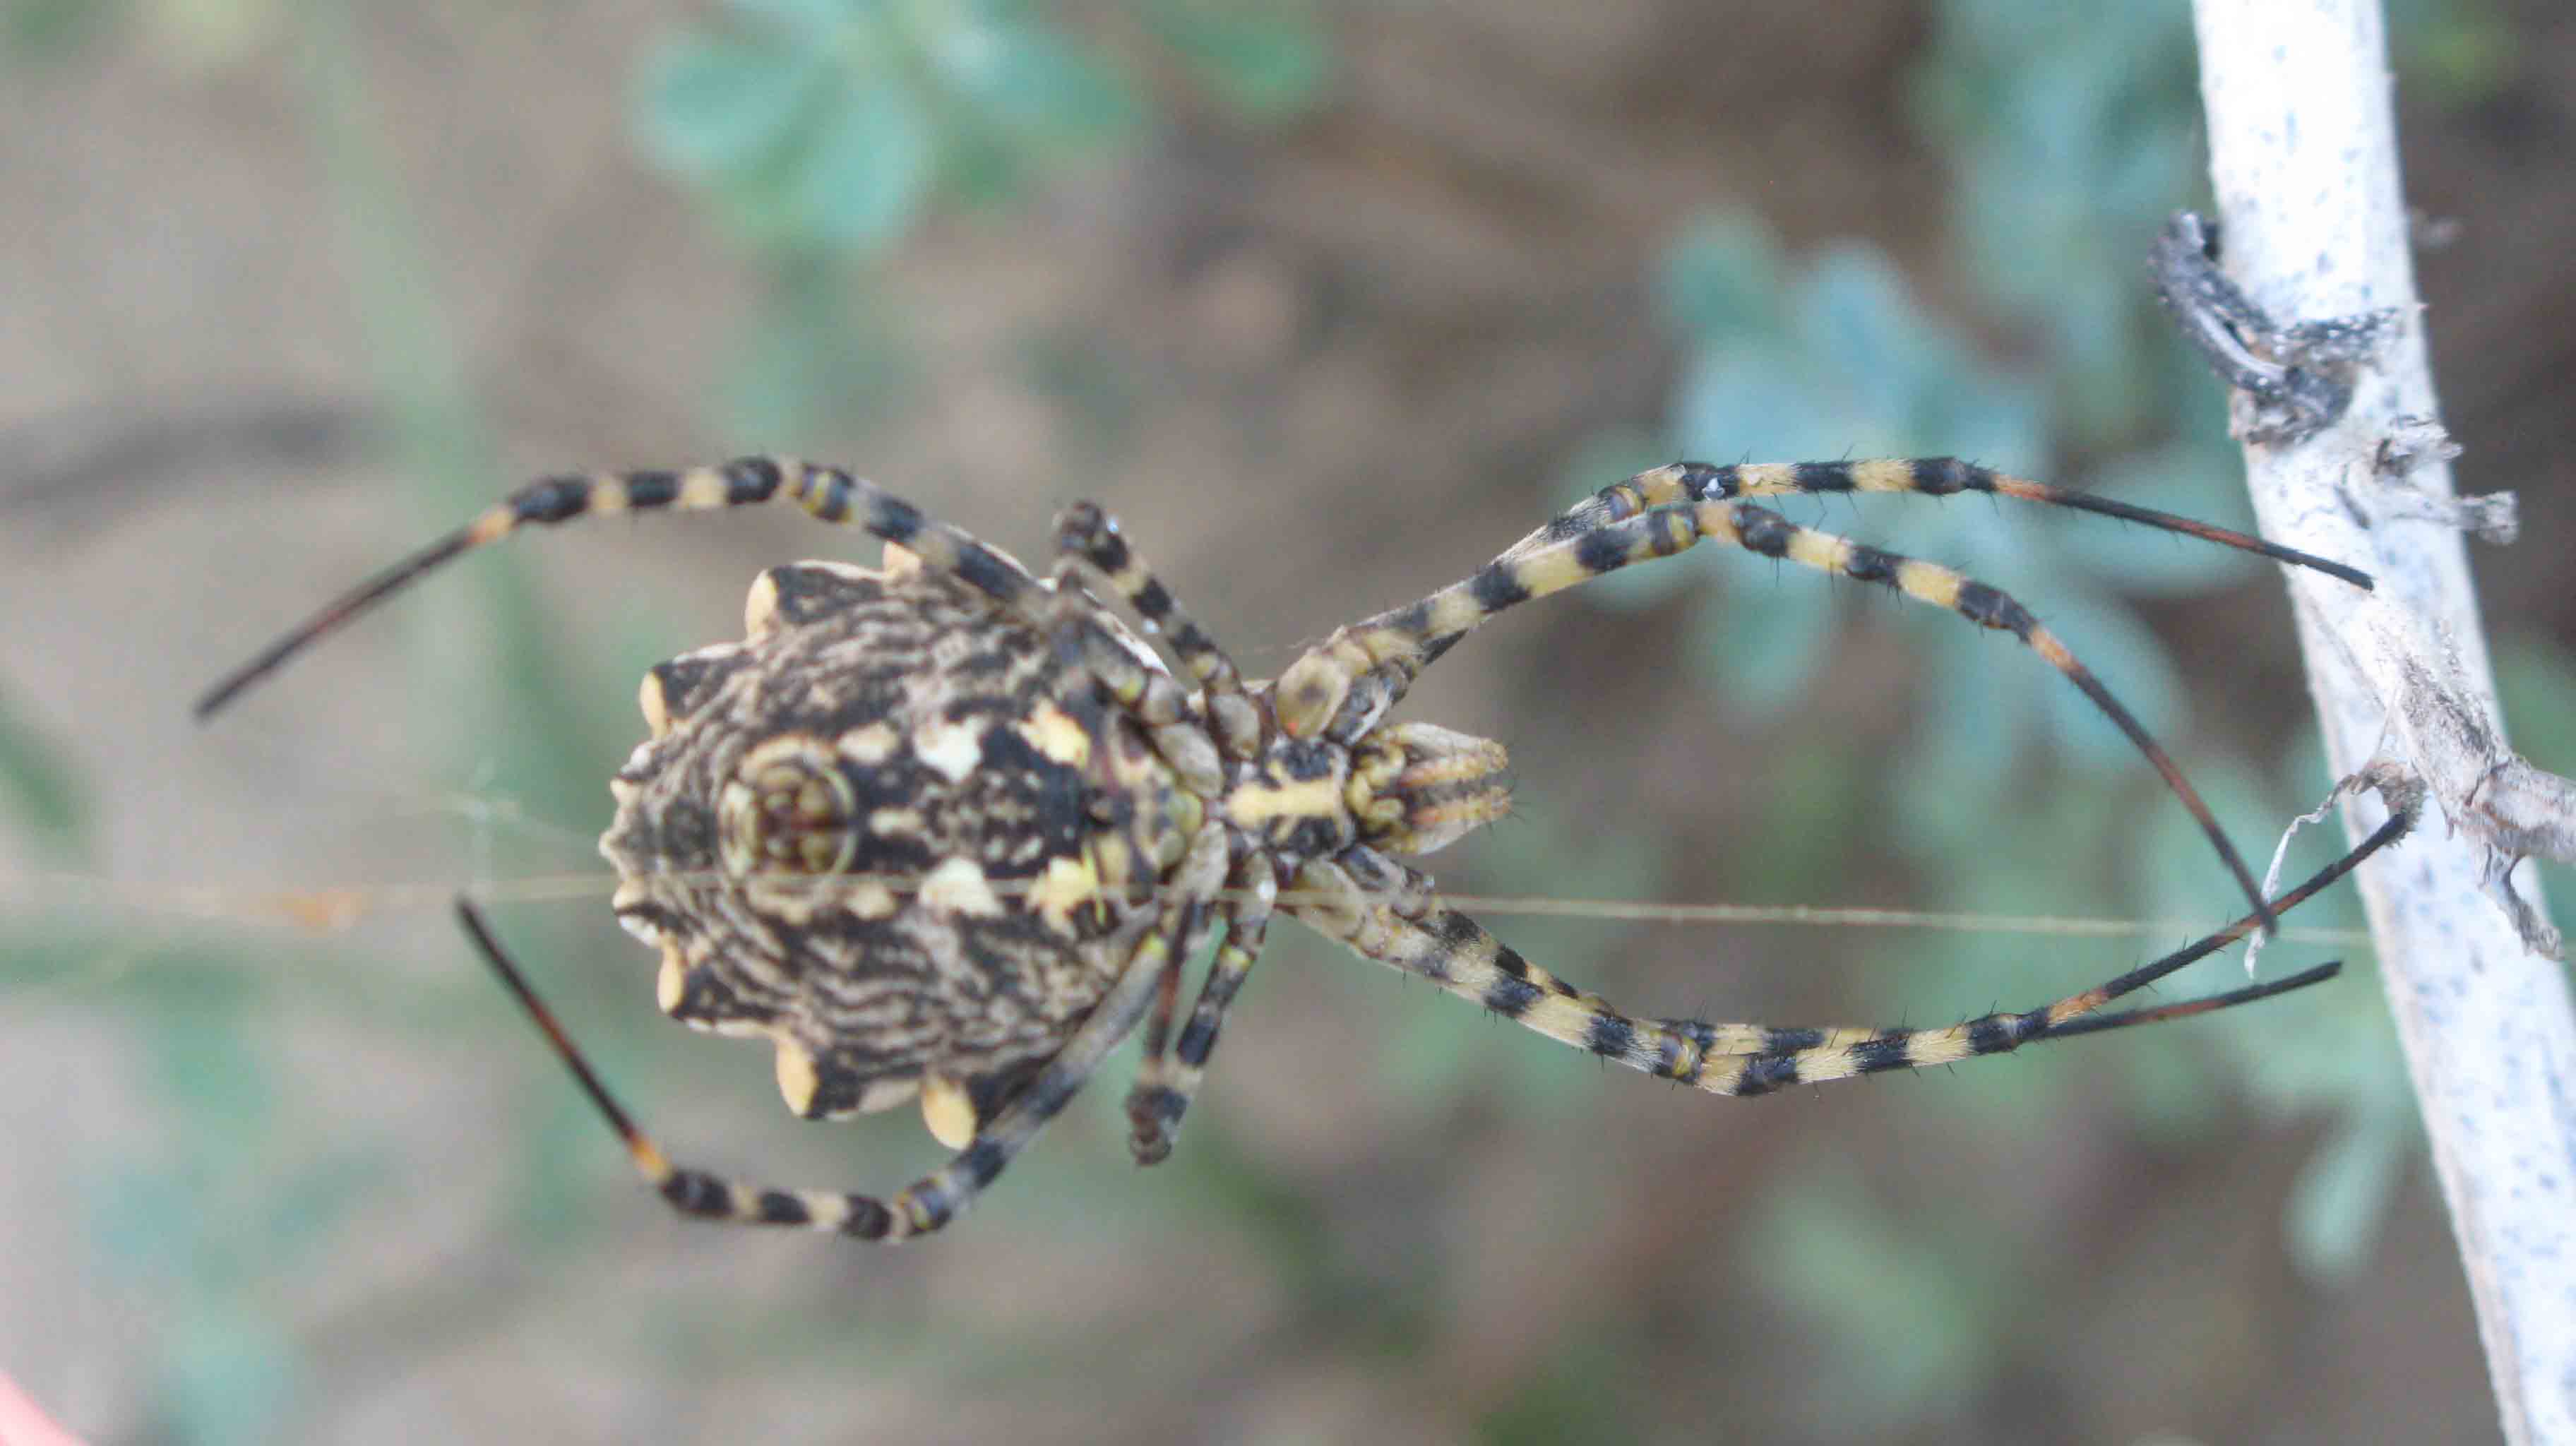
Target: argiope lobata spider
(946, 831)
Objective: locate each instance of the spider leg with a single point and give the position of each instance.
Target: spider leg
(1194, 738)
(1352, 901)
(1345, 684)
(829, 493)
(940, 1197)
(1153, 1064)
(1166, 1084)
(1091, 535)
(1929, 476)
(1139, 687)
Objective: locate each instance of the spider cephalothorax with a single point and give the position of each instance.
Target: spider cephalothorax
(945, 830)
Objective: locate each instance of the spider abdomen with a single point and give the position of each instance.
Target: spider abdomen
(892, 830)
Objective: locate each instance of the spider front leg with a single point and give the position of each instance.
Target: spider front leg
(1090, 536)
(827, 493)
(1166, 1084)
(1342, 687)
(1194, 740)
(1926, 476)
(1361, 899)
(1172, 933)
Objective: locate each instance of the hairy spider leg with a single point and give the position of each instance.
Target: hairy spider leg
(1453, 951)
(1342, 686)
(1165, 1084)
(1091, 535)
(828, 493)
(1154, 1065)
(2096, 1023)
(1928, 476)
(937, 1199)
(1089, 538)
(1187, 736)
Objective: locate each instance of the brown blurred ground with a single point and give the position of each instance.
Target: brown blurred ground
(1369, 344)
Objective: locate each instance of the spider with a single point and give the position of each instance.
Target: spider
(943, 831)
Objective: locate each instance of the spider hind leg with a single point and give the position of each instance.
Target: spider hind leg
(1377, 907)
(935, 1200)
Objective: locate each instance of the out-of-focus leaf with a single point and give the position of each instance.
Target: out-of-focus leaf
(1851, 310)
(1576, 1389)
(1909, 1316)
(813, 21)
(1745, 402)
(2071, 141)
(1964, 409)
(2536, 685)
(1761, 646)
(48, 29)
(1025, 76)
(1266, 60)
(2459, 52)
(1721, 282)
(826, 345)
(308, 1206)
(144, 1223)
(206, 1059)
(232, 1377)
(712, 104)
(870, 167)
(197, 35)
(36, 784)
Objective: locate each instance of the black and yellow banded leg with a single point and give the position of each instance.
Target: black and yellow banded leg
(1350, 679)
(1141, 689)
(1925, 476)
(828, 493)
(1086, 532)
(1153, 1063)
(1165, 1085)
(1453, 951)
(937, 1199)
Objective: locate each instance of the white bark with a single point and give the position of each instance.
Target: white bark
(2312, 225)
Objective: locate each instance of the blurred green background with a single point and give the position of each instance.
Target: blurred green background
(1329, 302)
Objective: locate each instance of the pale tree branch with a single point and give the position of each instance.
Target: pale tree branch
(2312, 227)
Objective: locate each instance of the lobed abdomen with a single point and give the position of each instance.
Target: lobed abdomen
(873, 833)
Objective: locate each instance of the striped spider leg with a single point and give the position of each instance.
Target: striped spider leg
(1341, 688)
(1385, 911)
(1178, 927)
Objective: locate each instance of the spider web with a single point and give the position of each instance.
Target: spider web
(496, 824)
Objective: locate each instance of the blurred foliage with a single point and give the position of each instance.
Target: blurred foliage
(2455, 52)
(822, 132)
(178, 1220)
(2070, 135)
(37, 790)
(1916, 1306)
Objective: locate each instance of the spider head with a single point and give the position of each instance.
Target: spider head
(1418, 787)
(1408, 789)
